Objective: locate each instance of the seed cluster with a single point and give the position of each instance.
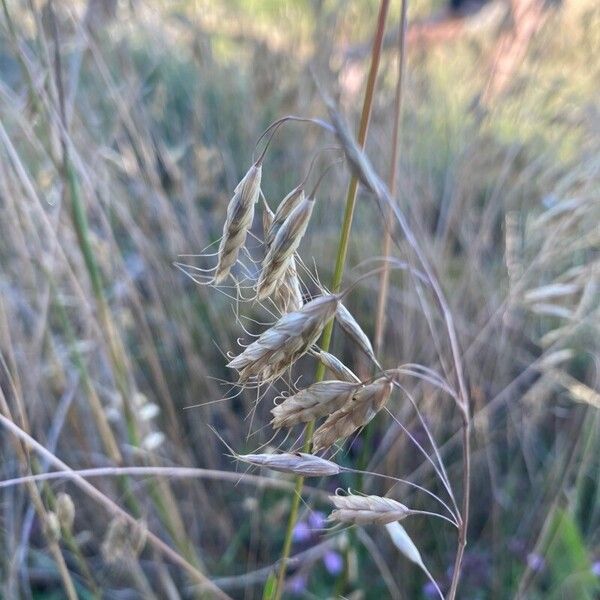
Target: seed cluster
(344, 403)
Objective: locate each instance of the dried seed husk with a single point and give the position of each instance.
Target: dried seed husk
(349, 324)
(240, 214)
(286, 206)
(287, 340)
(298, 463)
(65, 511)
(366, 402)
(288, 295)
(318, 400)
(366, 510)
(283, 246)
(336, 366)
(267, 218)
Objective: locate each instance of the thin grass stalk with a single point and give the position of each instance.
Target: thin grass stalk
(387, 238)
(338, 274)
(36, 497)
(161, 494)
(113, 508)
(364, 169)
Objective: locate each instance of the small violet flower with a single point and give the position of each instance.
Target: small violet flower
(301, 532)
(333, 562)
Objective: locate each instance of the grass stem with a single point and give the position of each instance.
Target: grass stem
(338, 274)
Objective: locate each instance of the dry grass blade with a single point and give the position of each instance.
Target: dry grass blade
(349, 324)
(367, 510)
(298, 463)
(318, 400)
(283, 247)
(289, 338)
(240, 214)
(362, 407)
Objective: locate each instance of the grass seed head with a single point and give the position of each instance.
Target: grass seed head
(240, 214)
(298, 463)
(366, 402)
(336, 366)
(286, 206)
(349, 324)
(287, 340)
(288, 295)
(366, 510)
(283, 247)
(318, 400)
(65, 511)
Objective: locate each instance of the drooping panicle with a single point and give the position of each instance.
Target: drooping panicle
(240, 214)
(367, 510)
(288, 339)
(365, 403)
(317, 400)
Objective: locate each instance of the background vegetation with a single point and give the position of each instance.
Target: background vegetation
(127, 160)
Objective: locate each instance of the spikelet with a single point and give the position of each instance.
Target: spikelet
(366, 402)
(286, 206)
(349, 324)
(65, 511)
(287, 340)
(267, 218)
(123, 540)
(288, 295)
(366, 510)
(318, 400)
(240, 214)
(336, 366)
(298, 463)
(283, 246)
(52, 527)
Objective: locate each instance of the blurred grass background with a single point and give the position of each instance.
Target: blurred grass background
(160, 104)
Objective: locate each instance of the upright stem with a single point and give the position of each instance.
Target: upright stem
(338, 274)
(464, 518)
(387, 238)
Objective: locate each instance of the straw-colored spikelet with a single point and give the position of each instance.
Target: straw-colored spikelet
(288, 295)
(52, 527)
(123, 540)
(298, 463)
(349, 324)
(65, 511)
(318, 400)
(366, 402)
(267, 217)
(282, 248)
(287, 340)
(240, 214)
(286, 206)
(365, 510)
(336, 366)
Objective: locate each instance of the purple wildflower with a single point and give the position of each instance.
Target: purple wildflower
(333, 562)
(297, 585)
(301, 532)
